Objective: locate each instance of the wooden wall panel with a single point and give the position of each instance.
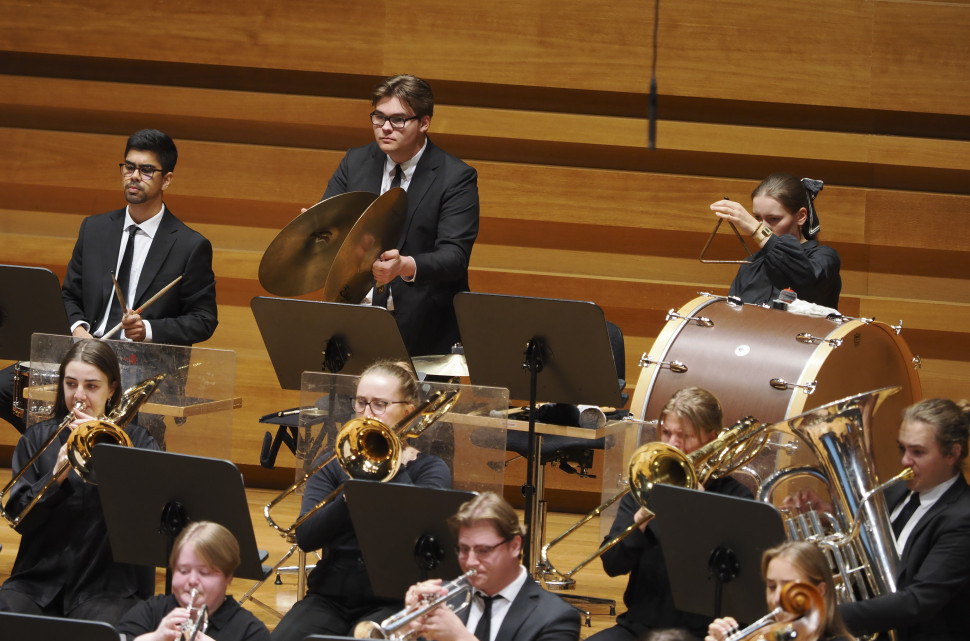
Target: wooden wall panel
(547, 101)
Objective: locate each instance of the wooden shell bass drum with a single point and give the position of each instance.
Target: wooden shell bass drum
(774, 365)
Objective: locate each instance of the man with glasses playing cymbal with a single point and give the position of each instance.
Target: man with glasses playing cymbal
(507, 604)
(429, 265)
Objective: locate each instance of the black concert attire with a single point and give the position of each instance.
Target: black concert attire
(933, 581)
(339, 593)
(533, 614)
(812, 270)
(440, 228)
(230, 622)
(648, 599)
(64, 562)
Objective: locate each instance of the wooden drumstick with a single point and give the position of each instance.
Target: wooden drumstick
(121, 296)
(117, 328)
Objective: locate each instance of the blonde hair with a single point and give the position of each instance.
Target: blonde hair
(488, 507)
(212, 543)
(698, 406)
(400, 371)
(809, 560)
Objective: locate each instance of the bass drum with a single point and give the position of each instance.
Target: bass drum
(774, 365)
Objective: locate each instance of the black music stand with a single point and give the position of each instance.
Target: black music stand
(313, 336)
(509, 340)
(716, 541)
(403, 533)
(149, 496)
(30, 302)
(28, 626)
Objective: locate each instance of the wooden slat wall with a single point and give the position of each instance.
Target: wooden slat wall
(548, 101)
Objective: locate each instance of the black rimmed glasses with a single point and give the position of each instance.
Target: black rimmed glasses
(377, 406)
(397, 122)
(481, 551)
(146, 171)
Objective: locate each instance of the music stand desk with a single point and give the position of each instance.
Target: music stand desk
(691, 524)
(391, 520)
(297, 332)
(28, 626)
(30, 302)
(136, 486)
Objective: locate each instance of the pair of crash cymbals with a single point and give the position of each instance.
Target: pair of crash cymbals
(333, 245)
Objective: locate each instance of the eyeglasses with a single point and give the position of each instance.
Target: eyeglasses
(481, 551)
(146, 171)
(377, 406)
(397, 122)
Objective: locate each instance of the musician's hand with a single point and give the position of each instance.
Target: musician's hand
(62, 463)
(805, 500)
(80, 332)
(719, 629)
(737, 214)
(642, 515)
(134, 327)
(169, 627)
(392, 264)
(419, 592)
(303, 210)
(442, 624)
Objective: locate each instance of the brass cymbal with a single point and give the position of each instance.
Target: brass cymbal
(445, 365)
(378, 229)
(299, 258)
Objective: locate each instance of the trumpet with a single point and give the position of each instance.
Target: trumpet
(367, 449)
(658, 462)
(81, 442)
(198, 619)
(390, 627)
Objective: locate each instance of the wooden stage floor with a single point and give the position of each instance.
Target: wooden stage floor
(590, 581)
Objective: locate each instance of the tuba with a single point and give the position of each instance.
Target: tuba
(366, 449)
(81, 442)
(658, 462)
(858, 538)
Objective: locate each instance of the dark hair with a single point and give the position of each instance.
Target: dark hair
(157, 142)
(402, 372)
(100, 355)
(950, 421)
(411, 90)
(698, 406)
(668, 634)
(791, 192)
(212, 543)
(809, 560)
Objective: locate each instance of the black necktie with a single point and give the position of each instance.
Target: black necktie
(904, 515)
(398, 174)
(124, 275)
(484, 628)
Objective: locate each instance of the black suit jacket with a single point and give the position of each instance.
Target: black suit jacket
(439, 231)
(932, 600)
(184, 315)
(537, 615)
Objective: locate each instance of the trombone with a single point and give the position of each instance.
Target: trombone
(367, 449)
(389, 628)
(659, 462)
(81, 442)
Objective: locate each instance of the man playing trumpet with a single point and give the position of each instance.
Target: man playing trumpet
(507, 605)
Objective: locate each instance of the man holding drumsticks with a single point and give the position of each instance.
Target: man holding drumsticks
(146, 249)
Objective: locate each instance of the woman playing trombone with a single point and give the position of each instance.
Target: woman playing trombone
(789, 562)
(690, 419)
(64, 565)
(339, 594)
